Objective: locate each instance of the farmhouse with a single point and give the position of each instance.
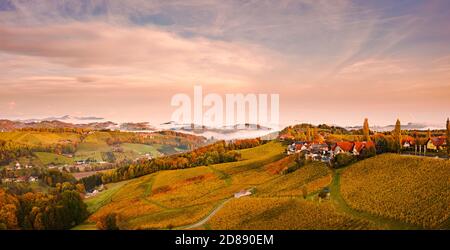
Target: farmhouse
(32, 179)
(286, 137)
(408, 142)
(21, 179)
(242, 193)
(8, 180)
(342, 147)
(354, 148)
(297, 147)
(309, 147)
(436, 143)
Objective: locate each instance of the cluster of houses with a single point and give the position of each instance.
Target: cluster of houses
(20, 179)
(18, 166)
(433, 143)
(24, 178)
(325, 153)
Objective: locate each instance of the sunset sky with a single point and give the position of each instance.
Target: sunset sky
(331, 62)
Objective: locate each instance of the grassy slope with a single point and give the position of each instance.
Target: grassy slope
(92, 146)
(177, 198)
(182, 198)
(141, 149)
(51, 158)
(96, 202)
(133, 151)
(96, 143)
(39, 138)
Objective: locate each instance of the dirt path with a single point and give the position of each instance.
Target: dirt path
(206, 219)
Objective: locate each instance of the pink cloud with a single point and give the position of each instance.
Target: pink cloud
(11, 105)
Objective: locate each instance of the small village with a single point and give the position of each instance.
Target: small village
(325, 153)
(320, 151)
(80, 169)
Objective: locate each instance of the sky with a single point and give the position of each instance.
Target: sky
(333, 62)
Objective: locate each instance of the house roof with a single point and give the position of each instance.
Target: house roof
(359, 146)
(370, 144)
(286, 136)
(348, 146)
(344, 145)
(438, 141)
(319, 146)
(408, 139)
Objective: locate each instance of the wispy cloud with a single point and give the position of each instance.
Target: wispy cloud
(140, 52)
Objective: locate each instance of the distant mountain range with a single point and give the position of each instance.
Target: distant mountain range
(65, 118)
(202, 128)
(8, 125)
(225, 132)
(138, 126)
(237, 131)
(69, 121)
(409, 126)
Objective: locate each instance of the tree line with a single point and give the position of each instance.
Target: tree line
(10, 151)
(61, 208)
(219, 152)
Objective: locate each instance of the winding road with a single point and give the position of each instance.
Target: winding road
(206, 219)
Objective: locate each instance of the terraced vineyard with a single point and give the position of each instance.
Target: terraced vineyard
(386, 191)
(311, 178)
(177, 198)
(283, 213)
(411, 189)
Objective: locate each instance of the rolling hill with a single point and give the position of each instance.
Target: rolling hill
(99, 146)
(202, 197)
(405, 188)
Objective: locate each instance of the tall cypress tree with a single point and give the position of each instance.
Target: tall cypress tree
(448, 136)
(397, 133)
(308, 133)
(416, 141)
(366, 130)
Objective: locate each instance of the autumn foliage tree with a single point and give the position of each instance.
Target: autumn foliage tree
(366, 130)
(308, 134)
(448, 136)
(397, 135)
(108, 222)
(9, 205)
(40, 211)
